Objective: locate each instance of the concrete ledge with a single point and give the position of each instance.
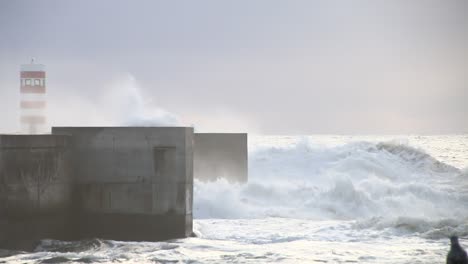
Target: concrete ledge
(33, 141)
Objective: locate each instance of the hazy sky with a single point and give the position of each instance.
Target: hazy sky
(264, 66)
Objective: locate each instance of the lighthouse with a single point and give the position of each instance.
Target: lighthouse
(33, 101)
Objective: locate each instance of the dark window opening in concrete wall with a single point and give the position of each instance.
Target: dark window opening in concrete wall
(164, 164)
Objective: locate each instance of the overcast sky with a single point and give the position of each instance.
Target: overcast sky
(261, 66)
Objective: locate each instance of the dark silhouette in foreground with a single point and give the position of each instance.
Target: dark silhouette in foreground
(456, 255)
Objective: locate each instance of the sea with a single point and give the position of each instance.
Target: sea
(312, 199)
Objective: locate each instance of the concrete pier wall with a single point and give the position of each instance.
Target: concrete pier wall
(221, 155)
(35, 189)
(119, 183)
(132, 183)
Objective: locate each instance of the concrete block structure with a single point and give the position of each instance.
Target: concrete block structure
(35, 189)
(132, 183)
(221, 155)
(119, 183)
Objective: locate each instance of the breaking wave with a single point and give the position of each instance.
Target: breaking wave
(380, 185)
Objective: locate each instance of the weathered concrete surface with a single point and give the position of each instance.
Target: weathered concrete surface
(35, 189)
(133, 183)
(221, 155)
(122, 183)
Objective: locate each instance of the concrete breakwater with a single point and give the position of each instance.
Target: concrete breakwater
(120, 183)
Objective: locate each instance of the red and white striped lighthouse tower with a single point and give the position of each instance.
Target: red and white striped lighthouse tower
(33, 98)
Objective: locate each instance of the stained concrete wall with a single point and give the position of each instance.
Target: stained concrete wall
(221, 155)
(133, 183)
(35, 189)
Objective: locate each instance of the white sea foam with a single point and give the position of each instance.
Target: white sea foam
(391, 181)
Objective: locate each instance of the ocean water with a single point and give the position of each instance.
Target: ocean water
(313, 199)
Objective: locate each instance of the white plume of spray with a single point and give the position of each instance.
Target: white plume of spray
(121, 103)
(129, 108)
